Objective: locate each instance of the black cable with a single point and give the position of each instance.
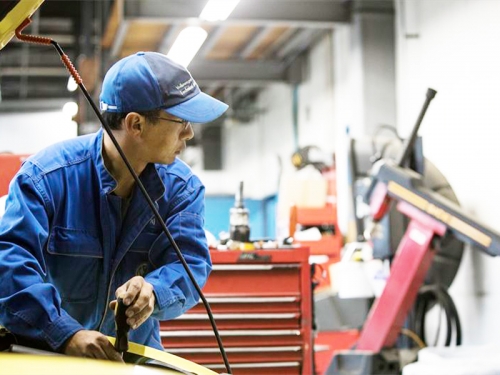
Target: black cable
(154, 210)
(428, 296)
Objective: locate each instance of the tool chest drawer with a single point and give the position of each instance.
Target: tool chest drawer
(261, 302)
(254, 280)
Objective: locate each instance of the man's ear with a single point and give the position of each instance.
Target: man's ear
(133, 123)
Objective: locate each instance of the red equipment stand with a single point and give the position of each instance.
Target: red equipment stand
(412, 261)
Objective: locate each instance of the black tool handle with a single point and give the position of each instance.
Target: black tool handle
(122, 327)
(409, 143)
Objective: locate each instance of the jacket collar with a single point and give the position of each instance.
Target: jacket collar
(108, 183)
(149, 177)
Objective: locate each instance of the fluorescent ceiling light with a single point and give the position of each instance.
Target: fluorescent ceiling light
(187, 45)
(72, 85)
(218, 10)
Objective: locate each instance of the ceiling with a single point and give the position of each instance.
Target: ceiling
(261, 42)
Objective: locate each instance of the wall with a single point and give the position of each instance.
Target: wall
(452, 46)
(259, 153)
(261, 216)
(255, 152)
(28, 133)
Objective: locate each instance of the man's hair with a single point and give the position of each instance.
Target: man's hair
(114, 120)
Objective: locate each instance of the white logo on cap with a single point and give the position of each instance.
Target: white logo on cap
(187, 86)
(105, 106)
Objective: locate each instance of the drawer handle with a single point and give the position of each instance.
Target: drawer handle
(251, 299)
(239, 316)
(251, 349)
(254, 257)
(253, 267)
(232, 333)
(256, 365)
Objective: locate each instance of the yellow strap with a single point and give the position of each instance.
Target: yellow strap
(151, 353)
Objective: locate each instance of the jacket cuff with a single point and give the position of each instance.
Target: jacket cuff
(165, 300)
(60, 330)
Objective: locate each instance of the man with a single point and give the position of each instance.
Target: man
(77, 233)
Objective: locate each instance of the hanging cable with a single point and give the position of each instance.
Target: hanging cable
(428, 296)
(74, 73)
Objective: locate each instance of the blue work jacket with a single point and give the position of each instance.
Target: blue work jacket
(65, 248)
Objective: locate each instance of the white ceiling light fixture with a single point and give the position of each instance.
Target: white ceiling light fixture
(72, 85)
(187, 44)
(70, 109)
(218, 10)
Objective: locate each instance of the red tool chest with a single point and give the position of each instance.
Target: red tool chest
(261, 301)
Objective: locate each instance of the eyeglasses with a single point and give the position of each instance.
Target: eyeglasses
(184, 123)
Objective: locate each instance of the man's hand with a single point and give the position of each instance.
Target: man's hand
(138, 295)
(91, 344)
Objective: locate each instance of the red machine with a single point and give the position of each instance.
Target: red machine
(432, 217)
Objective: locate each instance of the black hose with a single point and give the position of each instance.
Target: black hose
(428, 296)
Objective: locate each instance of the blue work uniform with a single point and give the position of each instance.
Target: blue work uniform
(65, 246)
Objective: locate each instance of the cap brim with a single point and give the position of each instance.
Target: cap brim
(201, 108)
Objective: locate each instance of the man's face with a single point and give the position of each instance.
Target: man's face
(165, 138)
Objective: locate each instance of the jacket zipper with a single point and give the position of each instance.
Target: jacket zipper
(113, 275)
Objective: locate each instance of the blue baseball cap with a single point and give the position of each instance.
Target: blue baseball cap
(150, 80)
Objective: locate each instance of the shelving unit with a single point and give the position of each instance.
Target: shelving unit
(329, 245)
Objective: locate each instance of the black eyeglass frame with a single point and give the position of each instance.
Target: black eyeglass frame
(185, 123)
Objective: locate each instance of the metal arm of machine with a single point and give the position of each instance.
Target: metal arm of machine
(405, 185)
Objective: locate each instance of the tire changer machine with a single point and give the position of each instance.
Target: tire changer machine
(433, 219)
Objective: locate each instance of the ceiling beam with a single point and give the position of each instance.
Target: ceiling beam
(121, 33)
(237, 71)
(254, 42)
(169, 38)
(304, 13)
(212, 38)
(278, 43)
(207, 71)
(61, 24)
(299, 41)
(33, 71)
(37, 57)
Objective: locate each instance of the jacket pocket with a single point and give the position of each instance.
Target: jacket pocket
(143, 242)
(74, 264)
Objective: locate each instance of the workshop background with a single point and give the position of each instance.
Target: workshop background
(325, 81)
